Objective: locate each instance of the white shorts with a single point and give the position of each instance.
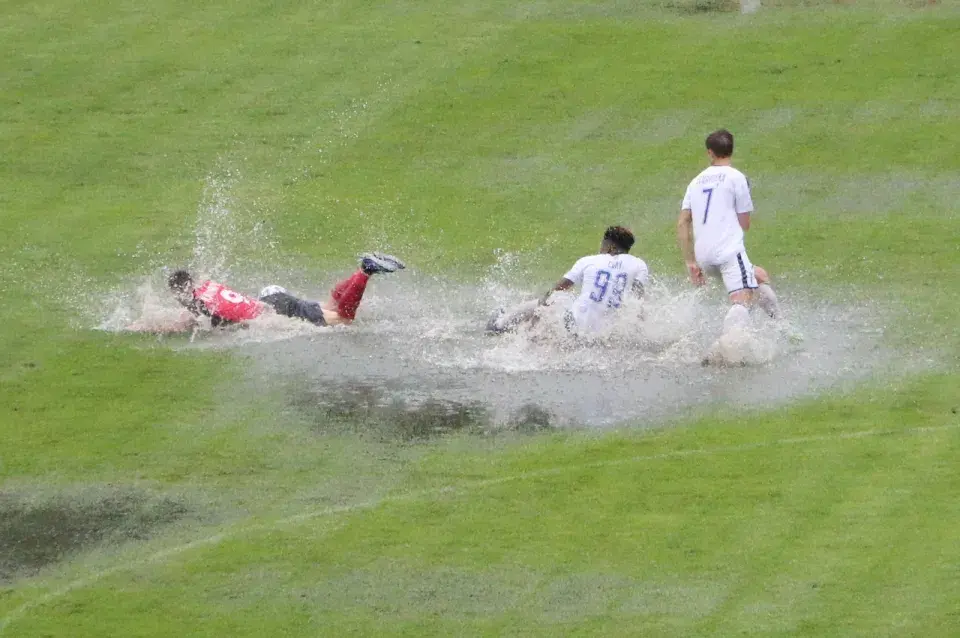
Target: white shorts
(736, 272)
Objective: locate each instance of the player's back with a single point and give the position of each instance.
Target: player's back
(227, 304)
(715, 197)
(605, 281)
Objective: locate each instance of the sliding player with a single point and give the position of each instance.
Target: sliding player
(226, 307)
(605, 281)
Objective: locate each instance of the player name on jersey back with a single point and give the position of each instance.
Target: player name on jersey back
(710, 178)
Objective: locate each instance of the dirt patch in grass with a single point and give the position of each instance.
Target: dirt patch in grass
(378, 412)
(35, 533)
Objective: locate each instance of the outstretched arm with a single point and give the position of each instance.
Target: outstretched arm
(184, 323)
(563, 284)
(685, 240)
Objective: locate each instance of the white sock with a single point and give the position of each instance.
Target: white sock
(767, 299)
(737, 317)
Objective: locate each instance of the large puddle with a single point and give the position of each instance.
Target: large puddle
(418, 361)
(418, 357)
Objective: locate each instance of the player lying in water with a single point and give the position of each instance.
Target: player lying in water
(226, 307)
(605, 281)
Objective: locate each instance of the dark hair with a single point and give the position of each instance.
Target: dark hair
(180, 280)
(721, 143)
(620, 237)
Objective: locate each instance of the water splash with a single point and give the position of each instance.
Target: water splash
(148, 304)
(421, 339)
(231, 238)
(231, 232)
(424, 337)
(217, 224)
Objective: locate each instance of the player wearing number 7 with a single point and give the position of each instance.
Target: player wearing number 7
(606, 280)
(714, 215)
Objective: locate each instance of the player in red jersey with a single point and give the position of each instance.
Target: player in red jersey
(213, 299)
(227, 307)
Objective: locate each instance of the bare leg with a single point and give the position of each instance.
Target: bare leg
(764, 296)
(332, 317)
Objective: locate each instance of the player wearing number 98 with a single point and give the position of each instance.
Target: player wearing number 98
(605, 279)
(714, 215)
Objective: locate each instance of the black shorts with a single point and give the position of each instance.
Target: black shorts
(289, 306)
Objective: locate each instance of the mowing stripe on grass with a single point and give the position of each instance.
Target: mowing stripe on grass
(164, 555)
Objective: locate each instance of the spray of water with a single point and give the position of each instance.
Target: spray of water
(217, 227)
(420, 339)
(230, 240)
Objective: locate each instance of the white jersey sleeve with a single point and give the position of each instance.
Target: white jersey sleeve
(643, 273)
(742, 201)
(575, 274)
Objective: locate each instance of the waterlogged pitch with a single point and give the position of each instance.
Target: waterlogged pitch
(410, 474)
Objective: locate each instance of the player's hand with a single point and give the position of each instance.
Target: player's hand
(696, 274)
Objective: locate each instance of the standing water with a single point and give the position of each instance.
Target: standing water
(420, 341)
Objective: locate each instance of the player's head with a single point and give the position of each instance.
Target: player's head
(181, 284)
(720, 144)
(617, 239)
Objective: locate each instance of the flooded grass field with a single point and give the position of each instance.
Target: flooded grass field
(418, 358)
(411, 474)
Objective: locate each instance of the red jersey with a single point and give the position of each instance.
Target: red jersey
(220, 301)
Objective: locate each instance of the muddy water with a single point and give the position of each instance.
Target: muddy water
(35, 532)
(405, 355)
(419, 347)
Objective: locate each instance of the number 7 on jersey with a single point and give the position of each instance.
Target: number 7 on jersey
(709, 193)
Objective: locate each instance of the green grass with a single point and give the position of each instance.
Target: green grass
(757, 526)
(447, 132)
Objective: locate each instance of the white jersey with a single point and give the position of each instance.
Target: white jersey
(716, 196)
(604, 282)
